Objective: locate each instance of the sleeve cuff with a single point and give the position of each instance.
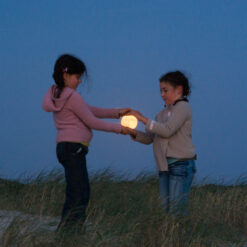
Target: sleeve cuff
(150, 125)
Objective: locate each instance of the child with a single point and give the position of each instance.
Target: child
(171, 134)
(74, 120)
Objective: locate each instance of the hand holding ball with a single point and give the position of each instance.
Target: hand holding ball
(129, 121)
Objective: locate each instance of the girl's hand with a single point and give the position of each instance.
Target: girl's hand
(128, 131)
(123, 111)
(139, 116)
(133, 133)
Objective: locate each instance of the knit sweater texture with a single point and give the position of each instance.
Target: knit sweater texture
(170, 133)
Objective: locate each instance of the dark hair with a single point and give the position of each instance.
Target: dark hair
(177, 78)
(67, 64)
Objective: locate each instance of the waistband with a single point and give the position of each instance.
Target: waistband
(182, 159)
(82, 143)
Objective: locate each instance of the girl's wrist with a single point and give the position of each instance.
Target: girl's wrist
(144, 120)
(119, 115)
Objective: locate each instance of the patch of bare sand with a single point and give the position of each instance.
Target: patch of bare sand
(16, 225)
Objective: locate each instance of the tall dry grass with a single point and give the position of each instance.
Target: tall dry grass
(126, 212)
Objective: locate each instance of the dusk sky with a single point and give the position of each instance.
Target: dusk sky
(126, 46)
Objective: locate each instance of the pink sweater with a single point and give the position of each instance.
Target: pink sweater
(74, 118)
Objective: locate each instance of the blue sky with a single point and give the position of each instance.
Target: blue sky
(126, 45)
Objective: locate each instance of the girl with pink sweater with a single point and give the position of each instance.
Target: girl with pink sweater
(74, 120)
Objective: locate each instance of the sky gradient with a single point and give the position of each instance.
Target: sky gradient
(126, 45)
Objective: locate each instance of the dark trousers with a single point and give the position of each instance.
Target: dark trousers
(73, 158)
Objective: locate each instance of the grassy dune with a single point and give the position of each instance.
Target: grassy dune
(126, 212)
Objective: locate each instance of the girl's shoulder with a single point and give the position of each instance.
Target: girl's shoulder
(70, 96)
(75, 95)
(76, 99)
(182, 107)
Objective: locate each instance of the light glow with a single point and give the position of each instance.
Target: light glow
(129, 121)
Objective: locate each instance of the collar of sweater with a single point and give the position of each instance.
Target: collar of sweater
(178, 100)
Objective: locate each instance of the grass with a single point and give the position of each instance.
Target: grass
(126, 212)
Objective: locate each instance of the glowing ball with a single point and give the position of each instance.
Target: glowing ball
(129, 121)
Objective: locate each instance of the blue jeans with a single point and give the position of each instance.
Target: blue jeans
(175, 186)
(72, 156)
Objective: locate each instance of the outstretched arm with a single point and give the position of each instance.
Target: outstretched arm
(180, 114)
(83, 112)
(108, 112)
(145, 138)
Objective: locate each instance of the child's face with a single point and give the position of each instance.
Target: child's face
(170, 93)
(72, 81)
